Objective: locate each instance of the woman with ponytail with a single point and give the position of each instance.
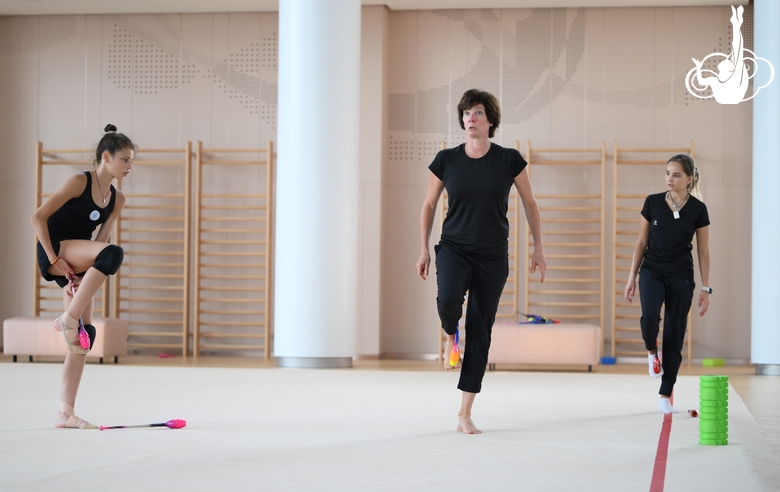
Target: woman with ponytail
(79, 264)
(662, 259)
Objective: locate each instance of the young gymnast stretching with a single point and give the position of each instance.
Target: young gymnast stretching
(662, 259)
(473, 252)
(67, 254)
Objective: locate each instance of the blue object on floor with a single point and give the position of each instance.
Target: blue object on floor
(607, 361)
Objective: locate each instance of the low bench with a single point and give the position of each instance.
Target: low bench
(33, 336)
(548, 343)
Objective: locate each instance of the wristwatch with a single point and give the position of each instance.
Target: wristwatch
(706, 289)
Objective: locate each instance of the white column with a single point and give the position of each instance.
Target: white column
(315, 301)
(765, 312)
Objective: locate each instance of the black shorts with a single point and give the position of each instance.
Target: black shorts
(44, 264)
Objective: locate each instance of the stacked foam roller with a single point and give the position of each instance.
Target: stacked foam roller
(714, 410)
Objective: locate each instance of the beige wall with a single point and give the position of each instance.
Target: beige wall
(373, 117)
(161, 79)
(565, 77)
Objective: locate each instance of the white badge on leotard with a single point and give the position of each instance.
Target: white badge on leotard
(95, 215)
(676, 214)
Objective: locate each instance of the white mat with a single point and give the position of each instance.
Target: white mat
(275, 429)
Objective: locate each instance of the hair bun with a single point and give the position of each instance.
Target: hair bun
(110, 128)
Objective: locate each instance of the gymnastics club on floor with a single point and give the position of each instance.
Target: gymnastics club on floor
(171, 424)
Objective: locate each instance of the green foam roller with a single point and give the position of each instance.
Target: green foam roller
(706, 403)
(713, 425)
(713, 362)
(723, 434)
(714, 404)
(713, 384)
(713, 442)
(712, 414)
(708, 386)
(713, 378)
(717, 403)
(714, 391)
(713, 409)
(719, 419)
(709, 394)
(713, 435)
(713, 394)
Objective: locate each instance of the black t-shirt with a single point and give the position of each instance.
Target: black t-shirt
(478, 198)
(670, 243)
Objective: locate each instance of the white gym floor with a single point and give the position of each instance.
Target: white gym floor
(385, 425)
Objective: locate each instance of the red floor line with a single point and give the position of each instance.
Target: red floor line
(661, 453)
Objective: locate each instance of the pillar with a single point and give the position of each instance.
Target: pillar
(315, 296)
(765, 310)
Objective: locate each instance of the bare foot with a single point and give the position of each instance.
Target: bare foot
(447, 351)
(466, 426)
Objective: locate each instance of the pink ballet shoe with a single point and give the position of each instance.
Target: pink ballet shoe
(74, 345)
(67, 420)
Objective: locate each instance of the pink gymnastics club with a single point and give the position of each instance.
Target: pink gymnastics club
(171, 424)
(83, 336)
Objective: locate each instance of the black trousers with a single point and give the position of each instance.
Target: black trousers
(457, 273)
(676, 294)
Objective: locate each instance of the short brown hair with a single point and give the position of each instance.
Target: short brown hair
(471, 98)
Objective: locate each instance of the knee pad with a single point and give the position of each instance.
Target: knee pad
(109, 260)
(92, 334)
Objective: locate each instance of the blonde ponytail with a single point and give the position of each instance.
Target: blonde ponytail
(690, 169)
(693, 187)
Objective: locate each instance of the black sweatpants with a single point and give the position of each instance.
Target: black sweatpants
(456, 273)
(676, 294)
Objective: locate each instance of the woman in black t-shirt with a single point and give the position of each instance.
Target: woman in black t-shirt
(473, 252)
(64, 224)
(663, 250)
